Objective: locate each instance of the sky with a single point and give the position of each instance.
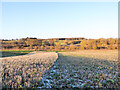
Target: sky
(59, 20)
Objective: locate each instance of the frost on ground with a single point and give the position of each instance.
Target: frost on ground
(83, 69)
(78, 69)
(27, 70)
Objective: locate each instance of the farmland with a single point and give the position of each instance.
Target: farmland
(83, 69)
(78, 69)
(26, 71)
(7, 53)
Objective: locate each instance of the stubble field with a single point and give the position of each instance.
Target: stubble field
(80, 69)
(84, 69)
(27, 70)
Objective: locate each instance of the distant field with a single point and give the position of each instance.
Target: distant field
(8, 53)
(96, 54)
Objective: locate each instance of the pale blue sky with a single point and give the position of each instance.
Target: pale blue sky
(60, 19)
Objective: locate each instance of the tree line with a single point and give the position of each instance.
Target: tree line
(60, 44)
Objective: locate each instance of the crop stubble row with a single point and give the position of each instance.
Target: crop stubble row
(26, 70)
(72, 69)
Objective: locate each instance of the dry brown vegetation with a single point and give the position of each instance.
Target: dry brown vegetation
(27, 70)
(95, 54)
(83, 69)
(78, 69)
(60, 44)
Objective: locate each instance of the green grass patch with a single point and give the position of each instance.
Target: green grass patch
(61, 42)
(8, 53)
(17, 50)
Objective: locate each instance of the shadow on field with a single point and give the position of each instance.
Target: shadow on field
(75, 71)
(89, 63)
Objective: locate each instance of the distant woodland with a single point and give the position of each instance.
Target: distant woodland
(59, 44)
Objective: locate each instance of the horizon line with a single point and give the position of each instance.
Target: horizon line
(63, 37)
